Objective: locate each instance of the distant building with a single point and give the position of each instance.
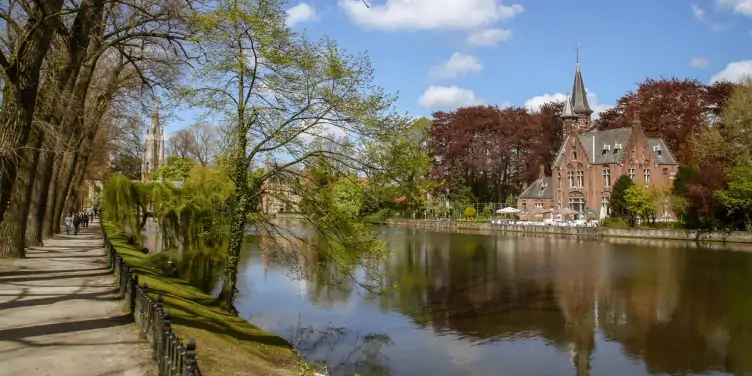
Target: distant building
(589, 162)
(154, 151)
(280, 193)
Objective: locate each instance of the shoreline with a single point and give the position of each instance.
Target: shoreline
(226, 344)
(737, 237)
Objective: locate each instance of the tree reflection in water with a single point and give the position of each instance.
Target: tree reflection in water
(341, 351)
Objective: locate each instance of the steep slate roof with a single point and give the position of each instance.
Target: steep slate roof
(665, 157)
(534, 190)
(568, 113)
(579, 95)
(610, 137)
(613, 137)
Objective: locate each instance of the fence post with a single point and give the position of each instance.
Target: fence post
(190, 358)
(145, 310)
(134, 287)
(164, 364)
(157, 327)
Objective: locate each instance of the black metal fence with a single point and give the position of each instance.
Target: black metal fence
(153, 321)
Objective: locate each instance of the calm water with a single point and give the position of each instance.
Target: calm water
(506, 305)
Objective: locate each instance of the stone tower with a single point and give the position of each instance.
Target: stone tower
(154, 151)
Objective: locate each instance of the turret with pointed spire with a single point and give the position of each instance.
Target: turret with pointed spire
(579, 113)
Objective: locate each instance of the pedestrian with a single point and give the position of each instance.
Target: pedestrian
(68, 223)
(91, 216)
(76, 223)
(85, 219)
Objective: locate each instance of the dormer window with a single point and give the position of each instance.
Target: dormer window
(542, 189)
(617, 147)
(657, 150)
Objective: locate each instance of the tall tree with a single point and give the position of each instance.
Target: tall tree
(497, 149)
(671, 108)
(273, 87)
(181, 144)
(31, 31)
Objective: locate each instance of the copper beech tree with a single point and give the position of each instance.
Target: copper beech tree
(496, 150)
(671, 108)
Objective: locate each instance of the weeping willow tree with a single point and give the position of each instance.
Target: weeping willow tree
(192, 216)
(275, 89)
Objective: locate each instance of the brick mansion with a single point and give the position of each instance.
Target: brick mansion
(588, 162)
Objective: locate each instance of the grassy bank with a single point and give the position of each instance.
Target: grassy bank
(226, 345)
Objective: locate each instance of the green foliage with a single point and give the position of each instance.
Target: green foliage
(618, 203)
(399, 165)
(737, 198)
(174, 169)
(469, 211)
(121, 204)
(615, 222)
(639, 202)
(286, 87)
(347, 196)
(193, 216)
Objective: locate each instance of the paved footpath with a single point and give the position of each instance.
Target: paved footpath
(60, 313)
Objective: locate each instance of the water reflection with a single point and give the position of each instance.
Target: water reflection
(201, 269)
(489, 305)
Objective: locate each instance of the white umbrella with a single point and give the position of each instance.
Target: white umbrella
(508, 210)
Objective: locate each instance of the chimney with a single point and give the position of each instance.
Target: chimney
(636, 121)
(542, 171)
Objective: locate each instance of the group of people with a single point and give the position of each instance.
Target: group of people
(74, 221)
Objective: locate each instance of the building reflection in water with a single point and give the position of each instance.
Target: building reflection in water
(678, 309)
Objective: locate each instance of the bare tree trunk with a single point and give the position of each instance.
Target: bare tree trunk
(48, 228)
(63, 187)
(22, 85)
(13, 228)
(38, 200)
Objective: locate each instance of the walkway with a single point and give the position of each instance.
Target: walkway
(60, 314)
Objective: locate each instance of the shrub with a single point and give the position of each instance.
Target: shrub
(614, 222)
(469, 211)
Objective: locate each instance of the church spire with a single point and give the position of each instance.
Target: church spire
(579, 95)
(568, 113)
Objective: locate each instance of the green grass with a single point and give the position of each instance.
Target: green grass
(226, 344)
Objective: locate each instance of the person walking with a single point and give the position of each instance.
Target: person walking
(76, 223)
(85, 219)
(68, 223)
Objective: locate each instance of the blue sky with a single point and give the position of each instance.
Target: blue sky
(441, 54)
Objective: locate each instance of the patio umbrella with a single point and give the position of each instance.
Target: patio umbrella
(537, 211)
(508, 210)
(568, 211)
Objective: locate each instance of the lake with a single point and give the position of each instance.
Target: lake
(473, 304)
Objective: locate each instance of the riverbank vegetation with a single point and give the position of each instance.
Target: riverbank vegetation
(227, 344)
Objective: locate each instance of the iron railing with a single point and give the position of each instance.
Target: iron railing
(153, 321)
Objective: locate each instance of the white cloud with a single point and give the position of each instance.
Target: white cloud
(448, 97)
(702, 16)
(457, 65)
(489, 37)
(743, 7)
(324, 129)
(698, 13)
(699, 62)
(301, 13)
(735, 71)
(429, 14)
(534, 103)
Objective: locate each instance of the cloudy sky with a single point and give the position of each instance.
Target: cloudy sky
(442, 54)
